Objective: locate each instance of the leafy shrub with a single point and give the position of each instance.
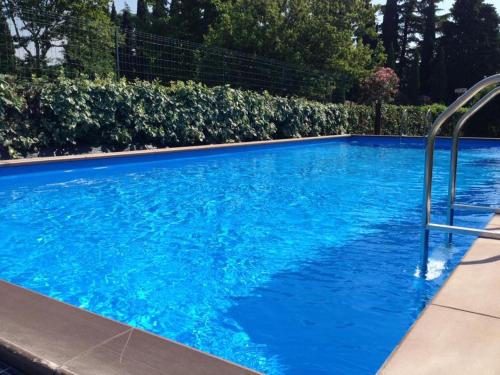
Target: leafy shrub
(69, 115)
(16, 134)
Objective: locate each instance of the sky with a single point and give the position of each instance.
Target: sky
(445, 5)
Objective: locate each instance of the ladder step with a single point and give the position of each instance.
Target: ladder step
(468, 207)
(483, 233)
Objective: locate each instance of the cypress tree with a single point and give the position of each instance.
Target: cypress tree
(159, 9)
(472, 43)
(438, 78)
(7, 50)
(428, 43)
(391, 58)
(142, 11)
(414, 79)
(113, 15)
(408, 33)
(190, 19)
(390, 25)
(127, 52)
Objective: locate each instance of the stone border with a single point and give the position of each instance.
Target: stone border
(459, 331)
(222, 146)
(161, 151)
(42, 336)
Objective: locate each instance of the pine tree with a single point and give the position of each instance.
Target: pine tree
(390, 25)
(438, 77)
(391, 57)
(190, 19)
(159, 11)
(7, 50)
(142, 11)
(127, 51)
(408, 33)
(472, 43)
(113, 15)
(428, 43)
(414, 79)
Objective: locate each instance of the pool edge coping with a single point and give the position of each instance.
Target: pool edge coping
(419, 352)
(220, 146)
(23, 358)
(159, 151)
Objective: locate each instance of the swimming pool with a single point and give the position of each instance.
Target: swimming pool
(289, 259)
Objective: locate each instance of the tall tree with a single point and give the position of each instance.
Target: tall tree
(142, 11)
(472, 43)
(128, 49)
(428, 43)
(439, 77)
(7, 50)
(316, 33)
(391, 57)
(190, 19)
(408, 33)
(413, 89)
(390, 25)
(113, 15)
(59, 27)
(159, 10)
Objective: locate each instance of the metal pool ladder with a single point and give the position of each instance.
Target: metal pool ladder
(450, 228)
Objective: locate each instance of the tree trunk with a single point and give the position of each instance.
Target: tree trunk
(378, 117)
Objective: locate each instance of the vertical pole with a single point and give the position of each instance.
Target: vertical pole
(453, 180)
(117, 55)
(223, 67)
(426, 214)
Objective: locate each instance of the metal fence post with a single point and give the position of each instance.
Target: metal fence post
(117, 55)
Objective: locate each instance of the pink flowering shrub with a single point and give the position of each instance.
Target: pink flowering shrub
(381, 86)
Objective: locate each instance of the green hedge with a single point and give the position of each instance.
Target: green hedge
(66, 116)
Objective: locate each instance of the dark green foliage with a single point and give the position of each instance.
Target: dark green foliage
(391, 58)
(159, 10)
(142, 11)
(414, 122)
(428, 44)
(7, 51)
(439, 78)
(190, 19)
(42, 26)
(472, 43)
(390, 25)
(66, 115)
(314, 33)
(113, 15)
(16, 133)
(413, 88)
(409, 29)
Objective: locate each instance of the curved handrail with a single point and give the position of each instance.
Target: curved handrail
(454, 150)
(429, 158)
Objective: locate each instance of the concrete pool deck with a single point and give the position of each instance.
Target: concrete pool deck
(459, 331)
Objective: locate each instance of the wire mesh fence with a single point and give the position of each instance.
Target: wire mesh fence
(40, 43)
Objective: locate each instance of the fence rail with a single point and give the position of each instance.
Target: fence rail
(37, 43)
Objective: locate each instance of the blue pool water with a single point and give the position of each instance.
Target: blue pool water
(291, 259)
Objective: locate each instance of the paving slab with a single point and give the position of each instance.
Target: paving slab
(459, 332)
